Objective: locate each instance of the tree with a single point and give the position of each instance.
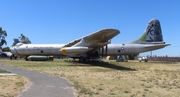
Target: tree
(3, 34)
(7, 49)
(15, 41)
(22, 39)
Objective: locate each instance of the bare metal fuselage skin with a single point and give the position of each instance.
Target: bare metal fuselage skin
(129, 49)
(37, 49)
(110, 49)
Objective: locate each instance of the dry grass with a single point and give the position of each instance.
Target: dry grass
(11, 86)
(122, 79)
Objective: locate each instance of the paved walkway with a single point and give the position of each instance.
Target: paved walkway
(43, 85)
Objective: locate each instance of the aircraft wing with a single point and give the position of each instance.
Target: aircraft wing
(89, 42)
(72, 43)
(101, 36)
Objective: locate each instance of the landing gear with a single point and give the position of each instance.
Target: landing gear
(13, 56)
(87, 59)
(26, 58)
(82, 59)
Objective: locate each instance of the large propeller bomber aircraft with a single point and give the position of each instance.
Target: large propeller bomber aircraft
(97, 44)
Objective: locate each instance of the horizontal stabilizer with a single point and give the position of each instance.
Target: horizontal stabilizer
(157, 45)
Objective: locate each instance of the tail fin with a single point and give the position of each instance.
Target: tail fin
(152, 33)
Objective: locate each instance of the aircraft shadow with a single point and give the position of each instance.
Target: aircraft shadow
(102, 64)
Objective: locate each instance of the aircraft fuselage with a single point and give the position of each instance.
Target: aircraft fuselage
(110, 49)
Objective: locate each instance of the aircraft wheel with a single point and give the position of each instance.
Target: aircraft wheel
(81, 59)
(87, 59)
(26, 58)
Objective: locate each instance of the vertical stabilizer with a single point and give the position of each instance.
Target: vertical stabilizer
(153, 30)
(152, 33)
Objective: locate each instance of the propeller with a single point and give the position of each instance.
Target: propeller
(109, 42)
(106, 50)
(102, 52)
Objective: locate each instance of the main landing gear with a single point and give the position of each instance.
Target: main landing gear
(82, 59)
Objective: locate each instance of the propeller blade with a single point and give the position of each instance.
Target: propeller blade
(106, 50)
(102, 52)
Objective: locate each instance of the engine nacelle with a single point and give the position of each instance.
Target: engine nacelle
(74, 50)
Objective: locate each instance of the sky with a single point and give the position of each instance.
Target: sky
(62, 21)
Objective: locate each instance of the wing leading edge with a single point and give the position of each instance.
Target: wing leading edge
(92, 41)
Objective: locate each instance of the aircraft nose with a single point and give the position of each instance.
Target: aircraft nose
(12, 50)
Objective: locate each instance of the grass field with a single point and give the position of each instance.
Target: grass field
(117, 79)
(11, 86)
